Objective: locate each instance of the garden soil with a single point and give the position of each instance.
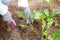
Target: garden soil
(9, 33)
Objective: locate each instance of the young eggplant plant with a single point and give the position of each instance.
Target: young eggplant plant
(47, 19)
(21, 14)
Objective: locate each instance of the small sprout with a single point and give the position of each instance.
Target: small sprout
(22, 26)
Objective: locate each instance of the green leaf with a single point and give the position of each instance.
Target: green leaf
(57, 35)
(38, 15)
(50, 16)
(46, 11)
(42, 16)
(35, 15)
(48, 1)
(21, 14)
(50, 37)
(32, 15)
(46, 33)
(43, 24)
(50, 22)
(54, 12)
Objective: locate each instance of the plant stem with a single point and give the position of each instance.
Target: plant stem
(31, 26)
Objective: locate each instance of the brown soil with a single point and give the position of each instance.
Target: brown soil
(8, 33)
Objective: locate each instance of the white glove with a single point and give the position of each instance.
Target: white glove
(3, 9)
(7, 17)
(27, 14)
(6, 2)
(23, 3)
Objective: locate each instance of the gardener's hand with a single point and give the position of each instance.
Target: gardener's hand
(27, 14)
(29, 20)
(6, 2)
(7, 17)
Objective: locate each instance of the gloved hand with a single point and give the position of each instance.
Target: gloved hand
(7, 17)
(6, 2)
(25, 5)
(27, 14)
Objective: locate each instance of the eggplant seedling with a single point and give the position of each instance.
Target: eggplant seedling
(47, 19)
(22, 26)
